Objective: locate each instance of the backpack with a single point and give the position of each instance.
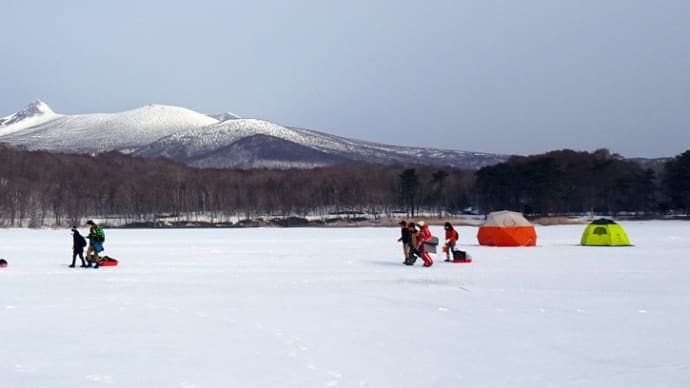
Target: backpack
(100, 235)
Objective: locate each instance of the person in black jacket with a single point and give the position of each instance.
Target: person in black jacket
(405, 239)
(78, 244)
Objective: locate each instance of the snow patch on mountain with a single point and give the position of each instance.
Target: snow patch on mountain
(36, 113)
(224, 116)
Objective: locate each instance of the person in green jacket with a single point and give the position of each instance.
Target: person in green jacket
(96, 239)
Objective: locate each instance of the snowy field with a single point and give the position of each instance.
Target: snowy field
(336, 308)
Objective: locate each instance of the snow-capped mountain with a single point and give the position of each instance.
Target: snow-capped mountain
(223, 140)
(98, 132)
(36, 113)
(258, 143)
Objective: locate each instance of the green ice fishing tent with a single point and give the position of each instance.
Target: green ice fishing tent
(604, 232)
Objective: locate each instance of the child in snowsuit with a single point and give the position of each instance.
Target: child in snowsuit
(451, 239)
(405, 239)
(78, 244)
(96, 238)
(423, 236)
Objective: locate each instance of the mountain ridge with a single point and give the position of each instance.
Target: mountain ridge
(223, 140)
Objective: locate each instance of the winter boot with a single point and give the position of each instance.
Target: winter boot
(427, 259)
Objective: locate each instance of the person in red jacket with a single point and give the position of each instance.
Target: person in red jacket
(423, 235)
(451, 239)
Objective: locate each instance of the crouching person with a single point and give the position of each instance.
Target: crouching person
(423, 236)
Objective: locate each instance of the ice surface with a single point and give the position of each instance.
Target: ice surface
(336, 308)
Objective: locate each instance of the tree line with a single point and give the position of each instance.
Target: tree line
(41, 188)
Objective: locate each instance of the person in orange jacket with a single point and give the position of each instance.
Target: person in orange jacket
(423, 235)
(451, 239)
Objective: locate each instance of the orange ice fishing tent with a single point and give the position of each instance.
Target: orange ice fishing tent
(507, 229)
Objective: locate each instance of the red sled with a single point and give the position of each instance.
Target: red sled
(108, 262)
(467, 260)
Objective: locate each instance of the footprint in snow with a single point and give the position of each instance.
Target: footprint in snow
(100, 379)
(20, 368)
(333, 379)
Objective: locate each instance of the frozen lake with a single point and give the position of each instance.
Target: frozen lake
(321, 307)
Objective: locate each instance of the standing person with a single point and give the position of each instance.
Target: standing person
(451, 239)
(78, 244)
(405, 239)
(423, 236)
(412, 244)
(96, 239)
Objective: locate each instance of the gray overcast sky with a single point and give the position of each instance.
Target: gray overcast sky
(501, 76)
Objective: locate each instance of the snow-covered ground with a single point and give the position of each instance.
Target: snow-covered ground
(336, 308)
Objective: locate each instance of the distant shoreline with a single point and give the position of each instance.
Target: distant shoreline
(295, 222)
(387, 222)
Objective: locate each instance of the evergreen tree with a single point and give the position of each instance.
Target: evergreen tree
(677, 181)
(409, 188)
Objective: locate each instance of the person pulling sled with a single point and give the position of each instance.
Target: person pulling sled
(96, 238)
(451, 239)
